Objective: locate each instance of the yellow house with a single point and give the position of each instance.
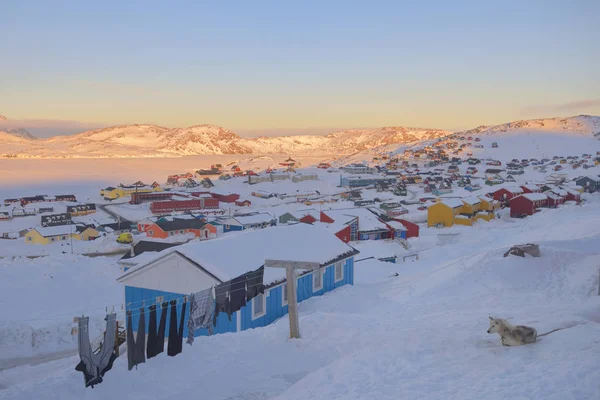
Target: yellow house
(86, 233)
(488, 204)
(463, 220)
(113, 193)
(49, 235)
(486, 216)
(443, 212)
(471, 205)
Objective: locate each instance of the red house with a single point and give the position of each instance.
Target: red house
(243, 203)
(573, 195)
(531, 188)
(507, 193)
(554, 200)
(412, 229)
(226, 198)
(527, 204)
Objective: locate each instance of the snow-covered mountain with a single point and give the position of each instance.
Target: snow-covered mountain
(20, 132)
(157, 141)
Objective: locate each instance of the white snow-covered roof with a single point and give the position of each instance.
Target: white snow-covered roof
(234, 254)
(513, 189)
(377, 249)
(472, 200)
(530, 186)
(535, 196)
(560, 192)
(56, 230)
(571, 191)
(253, 219)
(452, 203)
(367, 221)
(553, 196)
(397, 225)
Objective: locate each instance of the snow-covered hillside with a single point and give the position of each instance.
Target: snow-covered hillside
(415, 329)
(156, 141)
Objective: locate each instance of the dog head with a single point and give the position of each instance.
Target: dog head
(494, 325)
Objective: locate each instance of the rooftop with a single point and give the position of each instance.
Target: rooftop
(299, 242)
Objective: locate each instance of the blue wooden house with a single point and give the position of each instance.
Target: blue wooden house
(252, 221)
(176, 272)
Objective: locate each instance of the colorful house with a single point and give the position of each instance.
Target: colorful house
(176, 272)
(81, 209)
(590, 184)
(505, 194)
(488, 204)
(531, 188)
(113, 193)
(471, 205)
(443, 212)
(163, 228)
(398, 228)
(527, 204)
(49, 235)
(252, 221)
(83, 232)
(370, 227)
(412, 229)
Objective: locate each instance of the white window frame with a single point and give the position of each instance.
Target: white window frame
(320, 272)
(284, 300)
(264, 304)
(335, 277)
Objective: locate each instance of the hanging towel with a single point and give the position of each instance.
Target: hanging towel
(222, 301)
(95, 365)
(151, 345)
(175, 345)
(160, 336)
(255, 283)
(136, 346)
(237, 294)
(202, 306)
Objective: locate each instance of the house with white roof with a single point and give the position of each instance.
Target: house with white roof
(443, 212)
(174, 273)
(369, 227)
(250, 221)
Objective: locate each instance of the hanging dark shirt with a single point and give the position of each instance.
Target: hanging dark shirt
(135, 348)
(222, 301)
(237, 294)
(255, 283)
(151, 344)
(160, 336)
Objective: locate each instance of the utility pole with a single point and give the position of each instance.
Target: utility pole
(290, 273)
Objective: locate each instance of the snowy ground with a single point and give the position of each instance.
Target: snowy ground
(418, 335)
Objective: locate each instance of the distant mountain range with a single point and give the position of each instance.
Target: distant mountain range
(156, 141)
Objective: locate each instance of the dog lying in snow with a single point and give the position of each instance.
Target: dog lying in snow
(511, 335)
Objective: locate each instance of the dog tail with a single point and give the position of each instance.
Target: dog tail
(552, 331)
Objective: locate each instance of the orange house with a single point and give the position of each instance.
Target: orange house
(199, 228)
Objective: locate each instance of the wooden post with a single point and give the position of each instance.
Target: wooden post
(292, 302)
(290, 273)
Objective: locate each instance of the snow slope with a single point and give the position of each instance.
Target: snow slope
(418, 335)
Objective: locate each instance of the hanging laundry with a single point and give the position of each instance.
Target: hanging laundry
(95, 365)
(222, 301)
(255, 283)
(136, 346)
(202, 307)
(175, 345)
(151, 344)
(237, 294)
(160, 336)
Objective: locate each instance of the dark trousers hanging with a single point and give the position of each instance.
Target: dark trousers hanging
(151, 345)
(136, 347)
(175, 345)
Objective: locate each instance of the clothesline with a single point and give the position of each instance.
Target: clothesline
(167, 298)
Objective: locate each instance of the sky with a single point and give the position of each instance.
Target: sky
(271, 67)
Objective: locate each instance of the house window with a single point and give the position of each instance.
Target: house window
(64, 238)
(181, 231)
(151, 232)
(259, 306)
(52, 239)
(29, 239)
(284, 297)
(317, 280)
(339, 271)
(226, 226)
